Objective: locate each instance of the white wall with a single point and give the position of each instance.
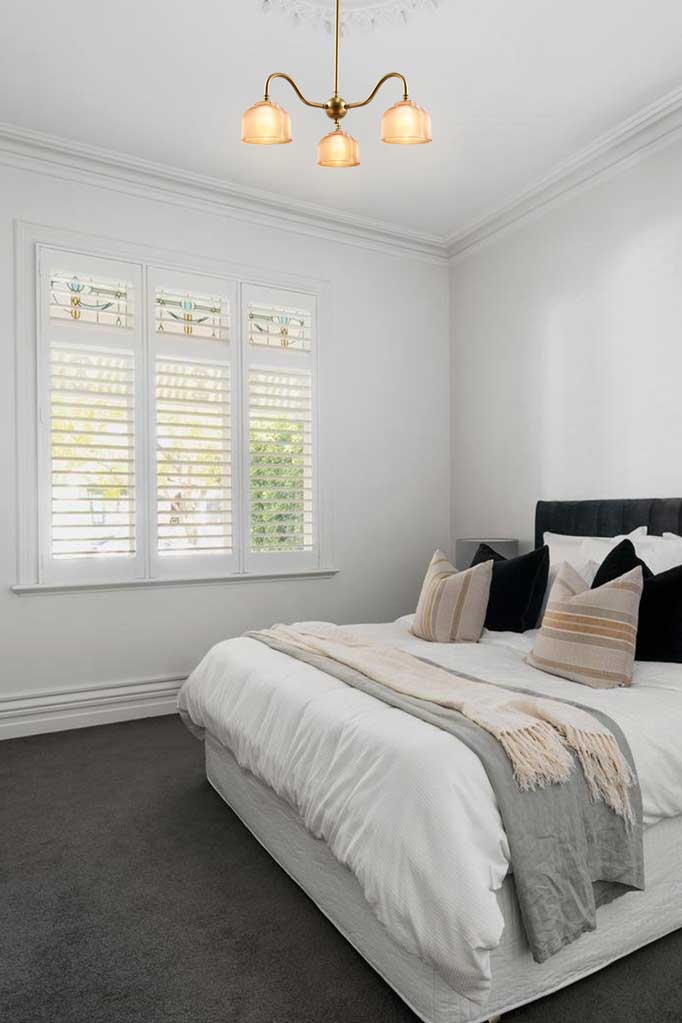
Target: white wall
(567, 354)
(385, 377)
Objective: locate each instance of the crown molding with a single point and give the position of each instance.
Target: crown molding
(70, 160)
(635, 138)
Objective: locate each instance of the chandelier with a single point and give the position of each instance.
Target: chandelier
(268, 124)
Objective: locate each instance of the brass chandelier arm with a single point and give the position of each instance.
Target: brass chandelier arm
(292, 83)
(391, 74)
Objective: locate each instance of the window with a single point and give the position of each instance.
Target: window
(280, 453)
(193, 457)
(92, 452)
(176, 435)
(279, 425)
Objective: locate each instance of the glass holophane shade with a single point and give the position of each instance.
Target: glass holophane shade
(266, 124)
(337, 149)
(406, 124)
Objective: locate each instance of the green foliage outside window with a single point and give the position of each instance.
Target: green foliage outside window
(277, 485)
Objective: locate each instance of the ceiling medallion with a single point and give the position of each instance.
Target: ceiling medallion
(267, 124)
(363, 14)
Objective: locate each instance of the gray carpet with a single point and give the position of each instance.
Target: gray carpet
(131, 894)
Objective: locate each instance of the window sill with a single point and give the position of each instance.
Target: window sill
(38, 589)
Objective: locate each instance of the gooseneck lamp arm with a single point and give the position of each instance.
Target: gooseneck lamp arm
(292, 83)
(324, 106)
(391, 74)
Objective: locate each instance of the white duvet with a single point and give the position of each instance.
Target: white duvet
(407, 807)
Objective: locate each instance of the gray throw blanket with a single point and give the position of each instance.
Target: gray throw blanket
(569, 853)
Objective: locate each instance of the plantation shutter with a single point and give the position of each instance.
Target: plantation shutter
(92, 428)
(279, 417)
(191, 340)
(176, 426)
(91, 492)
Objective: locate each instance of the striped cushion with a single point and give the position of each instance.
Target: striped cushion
(589, 635)
(452, 604)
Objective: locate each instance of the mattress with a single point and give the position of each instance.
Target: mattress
(625, 925)
(406, 807)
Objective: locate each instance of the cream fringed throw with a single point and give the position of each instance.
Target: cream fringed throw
(535, 733)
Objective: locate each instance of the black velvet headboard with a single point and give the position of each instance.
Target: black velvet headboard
(608, 518)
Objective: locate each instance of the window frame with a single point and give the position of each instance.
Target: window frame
(32, 484)
(102, 338)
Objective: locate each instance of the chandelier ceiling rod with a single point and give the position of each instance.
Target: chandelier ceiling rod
(404, 123)
(337, 36)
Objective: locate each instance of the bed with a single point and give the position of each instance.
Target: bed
(357, 803)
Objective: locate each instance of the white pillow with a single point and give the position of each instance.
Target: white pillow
(659, 553)
(569, 548)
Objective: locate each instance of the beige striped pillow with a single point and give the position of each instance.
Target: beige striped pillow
(452, 604)
(589, 635)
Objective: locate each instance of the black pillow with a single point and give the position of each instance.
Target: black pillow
(517, 588)
(617, 562)
(659, 633)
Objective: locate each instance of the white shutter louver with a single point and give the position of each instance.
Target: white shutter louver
(193, 433)
(92, 454)
(281, 462)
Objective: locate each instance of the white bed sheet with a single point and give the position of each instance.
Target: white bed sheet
(649, 711)
(405, 806)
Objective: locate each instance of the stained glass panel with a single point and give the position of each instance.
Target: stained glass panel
(274, 326)
(94, 301)
(192, 315)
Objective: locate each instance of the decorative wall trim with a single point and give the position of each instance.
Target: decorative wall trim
(635, 138)
(54, 710)
(77, 161)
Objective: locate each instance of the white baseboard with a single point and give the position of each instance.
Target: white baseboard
(56, 709)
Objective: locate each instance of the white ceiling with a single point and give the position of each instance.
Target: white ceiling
(513, 88)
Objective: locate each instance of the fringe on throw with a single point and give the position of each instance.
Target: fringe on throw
(538, 755)
(606, 770)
